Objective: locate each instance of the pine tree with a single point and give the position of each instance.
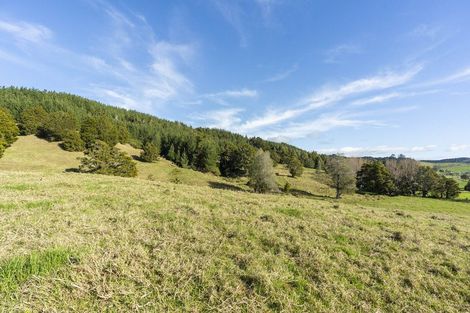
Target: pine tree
(58, 125)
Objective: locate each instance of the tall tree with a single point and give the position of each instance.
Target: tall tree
(58, 125)
(467, 186)
(341, 174)
(262, 177)
(426, 179)
(452, 188)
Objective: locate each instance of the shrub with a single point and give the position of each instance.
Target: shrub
(287, 187)
(262, 177)
(100, 158)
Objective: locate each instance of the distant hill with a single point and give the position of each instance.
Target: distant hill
(454, 160)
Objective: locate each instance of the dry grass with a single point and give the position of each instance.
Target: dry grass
(152, 246)
(157, 246)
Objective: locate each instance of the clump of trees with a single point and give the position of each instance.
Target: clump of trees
(261, 173)
(404, 176)
(100, 158)
(295, 167)
(8, 130)
(341, 174)
(235, 160)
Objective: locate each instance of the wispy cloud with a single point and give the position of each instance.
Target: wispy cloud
(329, 96)
(335, 54)
(377, 99)
(224, 119)
(382, 150)
(26, 32)
(315, 127)
(233, 14)
(282, 75)
(425, 30)
(222, 97)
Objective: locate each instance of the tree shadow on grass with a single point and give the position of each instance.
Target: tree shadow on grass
(306, 194)
(72, 170)
(224, 186)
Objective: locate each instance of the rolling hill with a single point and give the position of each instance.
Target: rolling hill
(83, 242)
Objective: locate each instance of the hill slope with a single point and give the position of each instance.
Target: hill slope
(78, 242)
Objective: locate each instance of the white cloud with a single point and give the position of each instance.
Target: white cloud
(377, 99)
(23, 31)
(330, 96)
(224, 119)
(314, 127)
(335, 54)
(382, 150)
(282, 75)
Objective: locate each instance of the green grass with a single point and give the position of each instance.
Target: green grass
(17, 270)
(151, 245)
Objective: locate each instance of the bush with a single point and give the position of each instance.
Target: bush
(287, 187)
(262, 177)
(100, 158)
(73, 142)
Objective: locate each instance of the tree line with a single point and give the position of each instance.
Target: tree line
(78, 123)
(390, 176)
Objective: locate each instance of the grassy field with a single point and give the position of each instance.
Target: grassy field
(89, 243)
(451, 167)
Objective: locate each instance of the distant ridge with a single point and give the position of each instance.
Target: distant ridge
(454, 160)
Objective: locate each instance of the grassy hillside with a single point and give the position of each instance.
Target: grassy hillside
(87, 243)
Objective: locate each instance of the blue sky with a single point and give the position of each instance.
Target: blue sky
(355, 77)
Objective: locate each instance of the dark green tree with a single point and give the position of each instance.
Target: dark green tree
(452, 189)
(235, 160)
(100, 158)
(100, 127)
(72, 142)
(262, 177)
(58, 125)
(150, 152)
(467, 186)
(426, 178)
(295, 167)
(374, 177)
(206, 157)
(32, 119)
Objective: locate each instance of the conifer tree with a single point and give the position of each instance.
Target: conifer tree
(32, 119)
(150, 152)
